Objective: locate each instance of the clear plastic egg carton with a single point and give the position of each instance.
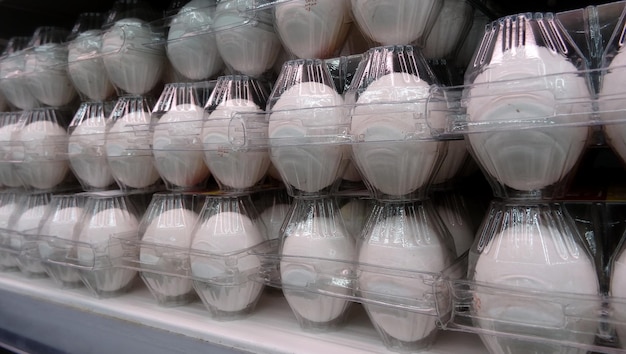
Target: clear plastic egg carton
(9, 249)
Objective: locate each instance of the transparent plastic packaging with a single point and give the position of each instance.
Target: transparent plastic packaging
(355, 212)
(410, 237)
(13, 80)
(98, 252)
(398, 112)
(132, 48)
(611, 95)
(191, 41)
(236, 168)
(527, 267)
(453, 211)
(163, 259)
(457, 157)
(398, 22)
(176, 140)
(62, 217)
(316, 255)
(472, 39)
(86, 145)
(10, 149)
(313, 29)
(43, 142)
(528, 106)
(85, 62)
(246, 39)
(308, 128)
(273, 207)
(10, 202)
(127, 145)
(224, 256)
(23, 222)
(449, 30)
(46, 67)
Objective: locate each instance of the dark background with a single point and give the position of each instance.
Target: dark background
(21, 17)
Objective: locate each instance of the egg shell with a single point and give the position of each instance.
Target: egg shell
(612, 104)
(234, 169)
(87, 156)
(308, 167)
(336, 250)
(45, 148)
(47, 76)
(87, 70)
(176, 148)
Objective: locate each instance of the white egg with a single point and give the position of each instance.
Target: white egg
(226, 233)
(62, 223)
(528, 159)
(273, 218)
(97, 231)
(191, 48)
(87, 156)
(86, 66)
(450, 27)
(6, 210)
(232, 168)
(45, 147)
(335, 251)
(411, 245)
(308, 105)
(14, 84)
(612, 104)
(132, 60)
(540, 259)
(176, 146)
(8, 149)
(28, 221)
(390, 163)
(249, 49)
(391, 22)
(313, 29)
(173, 228)
(129, 156)
(47, 75)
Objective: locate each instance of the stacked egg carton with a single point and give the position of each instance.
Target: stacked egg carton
(534, 97)
(36, 82)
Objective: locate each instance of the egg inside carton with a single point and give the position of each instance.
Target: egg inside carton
(223, 259)
(176, 141)
(42, 141)
(317, 257)
(13, 80)
(85, 62)
(128, 141)
(10, 149)
(246, 39)
(86, 146)
(63, 215)
(313, 29)
(191, 41)
(10, 202)
(133, 48)
(166, 230)
(23, 223)
(396, 117)
(528, 107)
(46, 67)
(108, 216)
(403, 237)
(308, 126)
(237, 103)
(531, 251)
(398, 22)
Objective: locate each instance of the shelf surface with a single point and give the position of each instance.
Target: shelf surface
(73, 321)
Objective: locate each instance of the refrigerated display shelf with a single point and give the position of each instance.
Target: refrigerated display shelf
(35, 314)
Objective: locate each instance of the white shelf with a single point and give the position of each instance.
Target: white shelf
(36, 305)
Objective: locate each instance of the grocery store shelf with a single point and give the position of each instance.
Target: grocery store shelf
(35, 313)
